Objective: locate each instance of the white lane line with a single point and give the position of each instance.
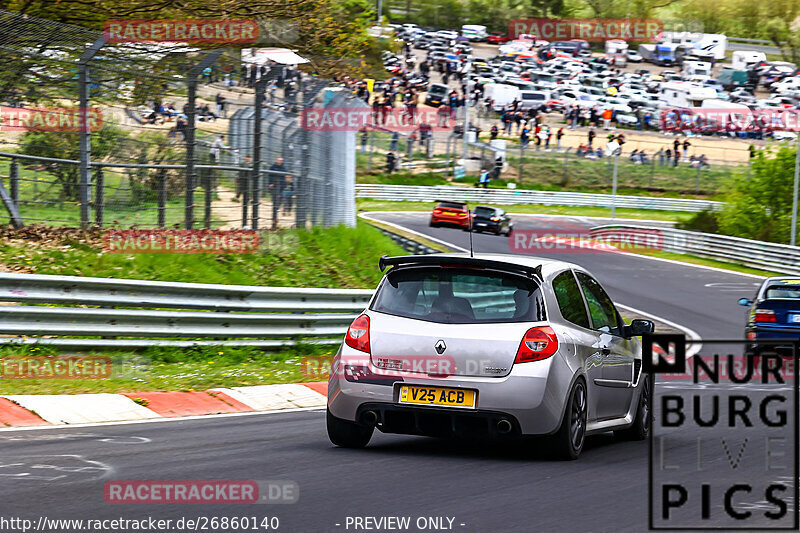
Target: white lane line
(690, 333)
(158, 420)
(650, 257)
(434, 239)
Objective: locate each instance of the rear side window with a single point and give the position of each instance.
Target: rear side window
(782, 291)
(569, 298)
(601, 308)
(460, 296)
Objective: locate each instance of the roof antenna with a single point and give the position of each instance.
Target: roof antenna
(469, 214)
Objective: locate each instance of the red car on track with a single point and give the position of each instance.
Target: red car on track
(497, 38)
(448, 213)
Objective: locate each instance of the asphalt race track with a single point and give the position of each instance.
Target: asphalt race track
(60, 473)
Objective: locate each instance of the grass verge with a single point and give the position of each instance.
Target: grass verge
(173, 369)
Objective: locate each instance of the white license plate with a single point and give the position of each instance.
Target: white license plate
(795, 317)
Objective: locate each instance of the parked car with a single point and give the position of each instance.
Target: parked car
(498, 38)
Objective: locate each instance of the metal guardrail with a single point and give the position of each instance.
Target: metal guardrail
(258, 316)
(421, 193)
(756, 254)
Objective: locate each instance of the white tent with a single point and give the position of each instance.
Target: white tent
(283, 56)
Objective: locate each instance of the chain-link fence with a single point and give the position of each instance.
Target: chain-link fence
(161, 135)
(546, 162)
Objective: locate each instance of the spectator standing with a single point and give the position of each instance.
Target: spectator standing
(277, 181)
(559, 135)
(391, 161)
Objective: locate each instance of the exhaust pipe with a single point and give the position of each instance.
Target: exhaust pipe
(369, 418)
(504, 427)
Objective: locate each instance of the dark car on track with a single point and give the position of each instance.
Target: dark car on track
(774, 315)
(491, 219)
(448, 213)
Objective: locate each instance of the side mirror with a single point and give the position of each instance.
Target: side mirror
(745, 302)
(639, 327)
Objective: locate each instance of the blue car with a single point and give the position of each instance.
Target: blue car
(774, 315)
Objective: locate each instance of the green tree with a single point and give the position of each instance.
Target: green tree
(760, 207)
(58, 145)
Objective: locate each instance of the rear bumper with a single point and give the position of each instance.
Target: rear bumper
(450, 221)
(531, 397)
(436, 422)
(777, 338)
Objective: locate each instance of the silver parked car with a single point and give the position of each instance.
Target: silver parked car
(494, 346)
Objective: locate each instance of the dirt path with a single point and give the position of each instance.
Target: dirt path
(228, 210)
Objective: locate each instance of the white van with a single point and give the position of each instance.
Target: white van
(533, 99)
(501, 94)
(696, 68)
(744, 59)
(683, 94)
(474, 32)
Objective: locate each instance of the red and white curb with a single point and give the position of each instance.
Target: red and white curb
(61, 409)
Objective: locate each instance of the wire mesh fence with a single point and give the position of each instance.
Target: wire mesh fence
(547, 164)
(160, 135)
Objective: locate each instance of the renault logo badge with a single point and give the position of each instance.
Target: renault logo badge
(440, 346)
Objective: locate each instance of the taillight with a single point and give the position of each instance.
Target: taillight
(765, 315)
(358, 334)
(537, 344)
(462, 214)
(437, 211)
(495, 219)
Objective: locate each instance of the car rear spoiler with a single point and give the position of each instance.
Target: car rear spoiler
(440, 260)
(452, 202)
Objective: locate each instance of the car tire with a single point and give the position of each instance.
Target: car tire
(569, 439)
(510, 230)
(431, 224)
(346, 434)
(640, 429)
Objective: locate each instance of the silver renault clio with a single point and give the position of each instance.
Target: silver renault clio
(492, 346)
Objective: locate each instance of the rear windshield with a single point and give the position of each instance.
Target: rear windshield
(783, 291)
(460, 296)
(484, 211)
(451, 205)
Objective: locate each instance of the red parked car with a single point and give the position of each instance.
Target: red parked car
(497, 38)
(447, 213)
